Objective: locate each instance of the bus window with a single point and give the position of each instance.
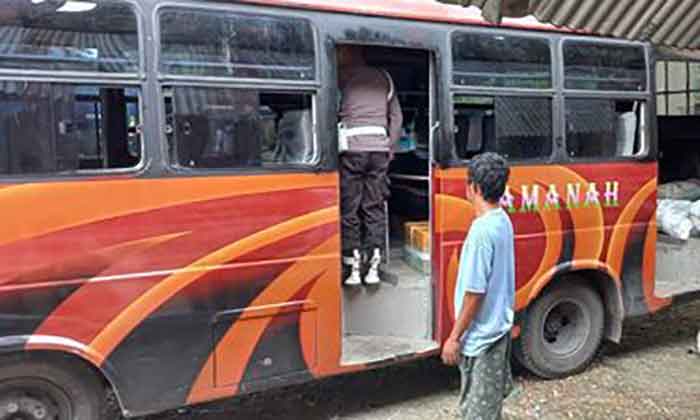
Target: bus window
(58, 35)
(202, 43)
(215, 128)
(516, 127)
(52, 128)
(605, 128)
(496, 60)
(609, 67)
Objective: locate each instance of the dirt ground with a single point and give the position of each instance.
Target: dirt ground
(653, 374)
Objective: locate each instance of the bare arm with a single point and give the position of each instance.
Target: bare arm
(470, 307)
(472, 303)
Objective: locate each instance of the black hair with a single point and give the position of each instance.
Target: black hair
(489, 172)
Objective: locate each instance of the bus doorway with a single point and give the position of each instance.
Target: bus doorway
(395, 317)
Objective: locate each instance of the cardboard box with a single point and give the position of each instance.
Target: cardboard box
(420, 239)
(409, 228)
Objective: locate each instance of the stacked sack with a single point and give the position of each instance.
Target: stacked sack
(678, 211)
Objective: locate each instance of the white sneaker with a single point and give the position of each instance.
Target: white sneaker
(372, 276)
(355, 262)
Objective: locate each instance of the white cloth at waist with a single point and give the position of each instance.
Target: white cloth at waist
(368, 130)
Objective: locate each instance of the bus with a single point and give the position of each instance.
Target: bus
(170, 189)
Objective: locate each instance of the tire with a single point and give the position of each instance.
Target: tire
(562, 331)
(51, 389)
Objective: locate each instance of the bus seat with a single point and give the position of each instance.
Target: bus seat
(475, 139)
(295, 137)
(231, 144)
(246, 141)
(192, 133)
(31, 154)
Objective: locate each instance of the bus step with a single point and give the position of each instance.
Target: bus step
(365, 349)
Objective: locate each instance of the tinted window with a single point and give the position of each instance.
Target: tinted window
(217, 128)
(501, 61)
(604, 128)
(68, 35)
(515, 127)
(236, 45)
(592, 66)
(48, 128)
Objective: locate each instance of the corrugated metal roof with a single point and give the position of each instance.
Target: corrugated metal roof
(673, 23)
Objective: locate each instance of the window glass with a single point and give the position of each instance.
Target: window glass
(677, 76)
(48, 128)
(678, 104)
(214, 128)
(515, 127)
(593, 66)
(661, 76)
(70, 35)
(604, 128)
(491, 60)
(236, 45)
(695, 76)
(694, 103)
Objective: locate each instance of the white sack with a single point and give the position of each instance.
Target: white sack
(673, 218)
(695, 216)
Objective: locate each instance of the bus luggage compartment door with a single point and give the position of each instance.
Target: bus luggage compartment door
(258, 345)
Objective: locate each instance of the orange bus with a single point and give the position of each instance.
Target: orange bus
(170, 194)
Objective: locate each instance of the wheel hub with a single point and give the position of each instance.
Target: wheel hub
(555, 324)
(21, 406)
(562, 329)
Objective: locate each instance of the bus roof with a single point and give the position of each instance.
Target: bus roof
(423, 10)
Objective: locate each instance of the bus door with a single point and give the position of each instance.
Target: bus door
(395, 318)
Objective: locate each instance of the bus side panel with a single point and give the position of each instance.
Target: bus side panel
(149, 277)
(593, 216)
(631, 231)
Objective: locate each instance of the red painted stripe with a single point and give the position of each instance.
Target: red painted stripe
(84, 314)
(75, 253)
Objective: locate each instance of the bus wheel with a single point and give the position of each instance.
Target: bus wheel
(37, 390)
(562, 331)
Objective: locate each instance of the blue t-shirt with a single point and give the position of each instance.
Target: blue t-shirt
(487, 266)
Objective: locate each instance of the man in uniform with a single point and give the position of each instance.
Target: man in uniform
(370, 125)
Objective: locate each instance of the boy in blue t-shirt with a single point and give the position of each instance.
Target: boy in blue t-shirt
(484, 295)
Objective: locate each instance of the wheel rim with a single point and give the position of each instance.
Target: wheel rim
(565, 328)
(33, 399)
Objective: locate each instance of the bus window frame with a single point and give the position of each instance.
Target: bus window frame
(232, 9)
(136, 80)
(74, 74)
(311, 87)
(313, 166)
(563, 40)
(454, 89)
(138, 169)
(506, 33)
(647, 96)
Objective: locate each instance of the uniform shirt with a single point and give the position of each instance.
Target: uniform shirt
(487, 267)
(365, 102)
